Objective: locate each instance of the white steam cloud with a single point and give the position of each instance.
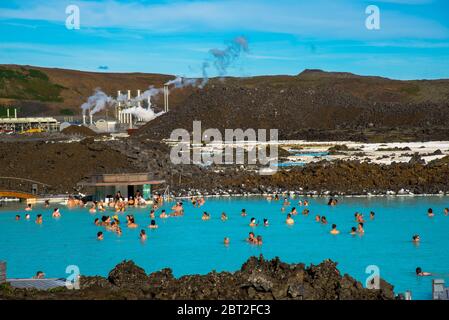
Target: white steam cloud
(142, 113)
(221, 59)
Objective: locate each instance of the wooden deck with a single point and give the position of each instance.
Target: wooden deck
(17, 194)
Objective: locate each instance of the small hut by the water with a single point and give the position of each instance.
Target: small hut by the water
(107, 185)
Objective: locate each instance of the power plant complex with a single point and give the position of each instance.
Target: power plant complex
(128, 112)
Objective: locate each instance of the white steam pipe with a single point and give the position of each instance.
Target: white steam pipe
(138, 95)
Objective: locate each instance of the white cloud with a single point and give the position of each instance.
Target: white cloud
(331, 19)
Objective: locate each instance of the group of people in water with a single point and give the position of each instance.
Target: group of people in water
(119, 204)
(39, 218)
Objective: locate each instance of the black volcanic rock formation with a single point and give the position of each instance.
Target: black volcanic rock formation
(257, 279)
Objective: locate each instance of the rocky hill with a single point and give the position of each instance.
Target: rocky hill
(312, 105)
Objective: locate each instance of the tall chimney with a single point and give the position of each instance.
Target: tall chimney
(84, 119)
(138, 95)
(129, 95)
(165, 98)
(119, 93)
(91, 118)
(15, 113)
(7, 112)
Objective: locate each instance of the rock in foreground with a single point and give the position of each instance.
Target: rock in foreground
(257, 279)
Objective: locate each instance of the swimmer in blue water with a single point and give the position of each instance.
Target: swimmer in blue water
(430, 213)
(334, 230)
(353, 231)
(224, 217)
(421, 273)
(253, 222)
(289, 220)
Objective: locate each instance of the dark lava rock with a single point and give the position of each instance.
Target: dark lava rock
(257, 279)
(128, 275)
(416, 159)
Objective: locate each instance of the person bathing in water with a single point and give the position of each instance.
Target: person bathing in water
(334, 230)
(178, 210)
(289, 220)
(131, 222)
(416, 239)
(243, 213)
(360, 229)
(253, 222)
(265, 223)
(92, 208)
(224, 217)
(153, 225)
(56, 213)
(353, 231)
(163, 215)
(39, 219)
(421, 273)
(143, 235)
(251, 237)
(206, 216)
(430, 213)
(28, 207)
(446, 211)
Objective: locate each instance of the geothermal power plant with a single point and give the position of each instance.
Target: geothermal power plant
(129, 111)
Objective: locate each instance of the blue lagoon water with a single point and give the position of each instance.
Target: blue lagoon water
(189, 245)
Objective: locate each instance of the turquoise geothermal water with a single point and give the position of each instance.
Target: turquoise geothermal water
(189, 245)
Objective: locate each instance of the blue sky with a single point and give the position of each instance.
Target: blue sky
(285, 36)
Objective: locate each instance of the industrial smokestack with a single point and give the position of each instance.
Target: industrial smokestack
(138, 96)
(84, 119)
(91, 118)
(15, 113)
(129, 95)
(166, 98)
(119, 93)
(7, 112)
